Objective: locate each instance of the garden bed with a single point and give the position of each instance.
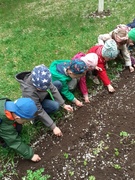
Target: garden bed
(98, 139)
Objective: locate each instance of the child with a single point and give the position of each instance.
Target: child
(20, 111)
(68, 71)
(121, 38)
(91, 61)
(131, 44)
(38, 86)
(105, 53)
(131, 37)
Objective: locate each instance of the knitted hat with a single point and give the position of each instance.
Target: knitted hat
(109, 49)
(91, 59)
(41, 77)
(131, 34)
(22, 107)
(77, 66)
(120, 35)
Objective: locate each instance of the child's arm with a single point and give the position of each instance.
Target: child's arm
(83, 88)
(11, 138)
(105, 79)
(102, 38)
(127, 58)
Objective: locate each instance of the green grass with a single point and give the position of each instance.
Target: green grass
(34, 32)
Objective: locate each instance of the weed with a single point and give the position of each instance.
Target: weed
(85, 162)
(97, 150)
(124, 134)
(92, 178)
(66, 155)
(71, 173)
(116, 166)
(116, 152)
(36, 175)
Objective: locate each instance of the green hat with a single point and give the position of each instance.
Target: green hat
(131, 34)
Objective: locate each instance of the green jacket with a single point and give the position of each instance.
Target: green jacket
(10, 135)
(64, 79)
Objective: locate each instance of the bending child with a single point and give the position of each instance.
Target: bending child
(91, 61)
(120, 35)
(68, 72)
(38, 86)
(11, 114)
(105, 53)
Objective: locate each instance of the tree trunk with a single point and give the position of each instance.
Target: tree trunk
(100, 6)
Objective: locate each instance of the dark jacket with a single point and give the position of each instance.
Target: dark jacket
(10, 135)
(28, 90)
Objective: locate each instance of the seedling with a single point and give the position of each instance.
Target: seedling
(124, 134)
(97, 150)
(85, 162)
(116, 152)
(36, 175)
(92, 178)
(71, 173)
(66, 155)
(117, 166)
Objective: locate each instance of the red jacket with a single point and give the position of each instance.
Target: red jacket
(101, 63)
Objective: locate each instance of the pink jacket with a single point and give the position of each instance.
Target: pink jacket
(82, 81)
(101, 63)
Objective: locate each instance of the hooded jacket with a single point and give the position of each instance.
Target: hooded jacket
(9, 134)
(123, 48)
(101, 63)
(63, 78)
(28, 90)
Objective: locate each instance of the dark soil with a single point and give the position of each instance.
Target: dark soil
(92, 140)
(97, 14)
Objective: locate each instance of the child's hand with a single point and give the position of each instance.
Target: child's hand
(98, 68)
(131, 69)
(68, 108)
(78, 103)
(110, 88)
(86, 99)
(35, 158)
(57, 131)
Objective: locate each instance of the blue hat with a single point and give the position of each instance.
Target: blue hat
(110, 49)
(41, 77)
(78, 66)
(22, 107)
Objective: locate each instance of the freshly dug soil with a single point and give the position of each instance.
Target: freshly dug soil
(98, 139)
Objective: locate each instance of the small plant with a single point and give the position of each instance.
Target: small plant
(2, 173)
(66, 155)
(36, 175)
(97, 150)
(117, 166)
(116, 152)
(71, 173)
(124, 134)
(92, 178)
(85, 162)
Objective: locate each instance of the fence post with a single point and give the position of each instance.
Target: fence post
(100, 6)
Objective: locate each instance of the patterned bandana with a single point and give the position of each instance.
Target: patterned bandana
(110, 49)
(77, 66)
(41, 77)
